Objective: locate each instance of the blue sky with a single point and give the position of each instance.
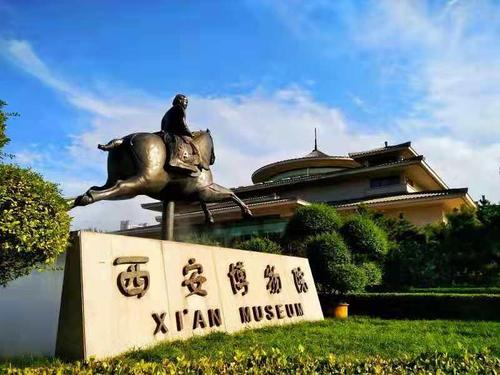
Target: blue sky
(261, 75)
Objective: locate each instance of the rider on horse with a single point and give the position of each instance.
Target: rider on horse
(178, 137)
(184, 154)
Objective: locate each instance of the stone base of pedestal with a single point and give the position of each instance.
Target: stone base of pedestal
(124, 292)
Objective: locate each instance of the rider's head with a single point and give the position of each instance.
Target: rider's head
(181, 100)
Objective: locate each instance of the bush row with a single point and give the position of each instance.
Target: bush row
(259, 361)
(419, 306)
(456, 290)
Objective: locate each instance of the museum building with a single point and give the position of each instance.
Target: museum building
(394, 180)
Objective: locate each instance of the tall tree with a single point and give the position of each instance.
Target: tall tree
(34, 223)
(4, 116)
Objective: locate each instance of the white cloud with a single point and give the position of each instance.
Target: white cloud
(454, 63)
(447, 57)
(249, 131)
(20, 53)
(29, 157)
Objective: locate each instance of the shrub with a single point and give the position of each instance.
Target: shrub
(309, 221)
(326, 250)
(262, 244)
(373, 273)
(34, 223)
(366, 240)
(346, 278)
(312, 220)
(422, 306)
(200, 239)
(411, 263)
(465, 250)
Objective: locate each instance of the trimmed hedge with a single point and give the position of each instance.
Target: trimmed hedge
(262, 244)
(347, 278)
(258, 361)
(419, 306)
(456, 290)
(373, 273)
(312, 220)
(325, 251)
(366, 240)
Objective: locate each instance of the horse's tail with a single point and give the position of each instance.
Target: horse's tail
(111, 145)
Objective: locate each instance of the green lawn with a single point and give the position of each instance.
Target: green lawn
(357, 338)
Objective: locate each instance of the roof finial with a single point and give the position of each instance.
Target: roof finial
(315, 140)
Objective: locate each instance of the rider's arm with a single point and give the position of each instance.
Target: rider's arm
(183, 127)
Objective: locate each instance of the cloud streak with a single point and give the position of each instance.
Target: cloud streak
(263, 126)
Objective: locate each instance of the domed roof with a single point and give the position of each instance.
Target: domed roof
(315, 162)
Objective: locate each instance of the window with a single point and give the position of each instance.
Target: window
(384, 181)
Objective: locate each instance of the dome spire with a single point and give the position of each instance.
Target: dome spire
(315, 140)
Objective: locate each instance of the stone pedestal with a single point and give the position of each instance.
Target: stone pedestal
(123, 292)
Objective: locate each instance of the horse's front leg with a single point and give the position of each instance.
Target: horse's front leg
(209, 219)
(216, 193)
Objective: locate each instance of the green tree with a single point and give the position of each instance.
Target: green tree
(262, 244)
(34, 223)
(4, 116)
(373, 273)
(309, 221)
(312, 220)
(366, 240)
(347, 278)
(467, 250)
(324, 251)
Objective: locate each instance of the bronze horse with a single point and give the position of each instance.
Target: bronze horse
(136, 166)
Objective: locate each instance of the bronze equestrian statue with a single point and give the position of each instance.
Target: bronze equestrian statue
(170, 165)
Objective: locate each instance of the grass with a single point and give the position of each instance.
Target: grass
(357, 338)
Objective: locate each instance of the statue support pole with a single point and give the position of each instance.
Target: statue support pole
(167, 221)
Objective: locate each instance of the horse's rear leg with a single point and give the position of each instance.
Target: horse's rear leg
(122, 189)
(216, 193)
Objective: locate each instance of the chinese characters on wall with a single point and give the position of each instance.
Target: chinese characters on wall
(135, 281)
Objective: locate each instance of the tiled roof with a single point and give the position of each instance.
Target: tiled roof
(379, 150)
(221, 207)
(229, 206)
(390, 197)
(315, 156)
(262, 198)
(248, 201)
(299, 179)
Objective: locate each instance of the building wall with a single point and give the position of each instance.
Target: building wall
(418, 215)
(324, 193)
(29, 313)
(345, 190)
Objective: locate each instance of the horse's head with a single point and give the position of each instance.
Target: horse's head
(205, 144)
